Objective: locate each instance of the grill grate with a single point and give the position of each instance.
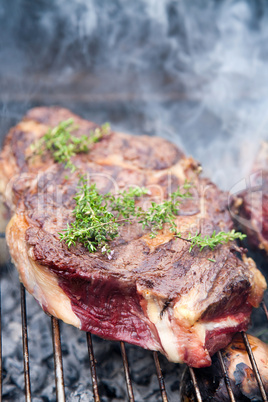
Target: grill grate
(59, 374)
(58, 367)
(1, 368)
(224, 372)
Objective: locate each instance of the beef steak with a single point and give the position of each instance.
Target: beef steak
(149, 292)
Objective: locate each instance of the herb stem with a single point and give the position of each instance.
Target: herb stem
(63, 145)
(97, 218)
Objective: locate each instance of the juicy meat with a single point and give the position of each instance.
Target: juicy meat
(150, 292)
(251, 207)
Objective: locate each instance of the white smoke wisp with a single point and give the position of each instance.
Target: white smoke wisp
(222, 119)
(193, 72)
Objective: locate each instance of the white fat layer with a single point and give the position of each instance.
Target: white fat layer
(38, 280)
(165, 331)
(221, 324)
(204, 327)
(48, 293)
(185, 310)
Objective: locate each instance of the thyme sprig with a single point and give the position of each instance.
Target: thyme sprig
(159, 214)
(213, 240)
(94, 224)
(97, 217)
(63, 145)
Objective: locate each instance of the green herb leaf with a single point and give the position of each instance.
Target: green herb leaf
(159, 214)
(63, 145)
(94, 224)
(97, 217)
(213, 240)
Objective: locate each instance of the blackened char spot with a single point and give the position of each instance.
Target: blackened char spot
(166, 305)
(149, 283)
(182, 267)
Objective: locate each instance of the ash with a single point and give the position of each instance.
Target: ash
(77, 377)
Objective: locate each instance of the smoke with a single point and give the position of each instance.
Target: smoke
(193, 72)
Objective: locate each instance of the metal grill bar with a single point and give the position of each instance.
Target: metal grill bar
(93, 368)
(127, 375)
(196, 388)
(57, 360)
(1, 367)
(226, 378)
(160, 378)
(254, 366)
(25, 345)
(265, 309)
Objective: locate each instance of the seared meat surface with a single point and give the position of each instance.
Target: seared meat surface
(251, 206)
(149, 292)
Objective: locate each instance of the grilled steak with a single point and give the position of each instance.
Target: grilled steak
(251, 207)
(149, 292)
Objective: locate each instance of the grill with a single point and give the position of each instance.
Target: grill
(58, 366)
(224, 373)
(59, 371)
(59, 374)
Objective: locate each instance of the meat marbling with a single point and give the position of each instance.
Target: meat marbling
(151, 292)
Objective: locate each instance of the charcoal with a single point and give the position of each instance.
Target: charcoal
(79, 349)
(38, 374)
(81, 395)
(15, 369)
(71, 373)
